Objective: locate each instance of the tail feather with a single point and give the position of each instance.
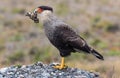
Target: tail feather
(95, 53)
(88, 49)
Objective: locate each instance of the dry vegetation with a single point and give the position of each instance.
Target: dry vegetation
(23, 42)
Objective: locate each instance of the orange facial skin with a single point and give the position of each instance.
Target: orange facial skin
(39, 10)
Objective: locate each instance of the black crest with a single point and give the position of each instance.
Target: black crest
(46, 8)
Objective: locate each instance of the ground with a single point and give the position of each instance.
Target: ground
(96, 21)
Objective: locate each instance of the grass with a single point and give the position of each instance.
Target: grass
(99, 43)
(39, 25)
(18, 65)
(77, 1)
(79, 60)
(2, 47)
(105, 68)
(62, 9)
(17, 56)
(43, 54)
(106, 26)
(96, 19)
(86, 34)
(18, 11)
(8, 24)
(16, 37)
(113, 53)
(2, 42)
(102, 25)
(112, 28)
(80, 56)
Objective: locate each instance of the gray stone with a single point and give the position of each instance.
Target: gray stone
(40, 70)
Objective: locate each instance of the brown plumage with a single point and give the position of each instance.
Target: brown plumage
(62, 36)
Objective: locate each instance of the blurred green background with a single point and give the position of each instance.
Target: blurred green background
(97, 21)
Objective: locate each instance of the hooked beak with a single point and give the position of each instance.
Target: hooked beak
(36, 10)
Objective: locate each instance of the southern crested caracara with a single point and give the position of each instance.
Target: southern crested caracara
(62, 36)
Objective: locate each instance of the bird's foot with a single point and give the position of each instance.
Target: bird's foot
(92, 71)
(60, 67)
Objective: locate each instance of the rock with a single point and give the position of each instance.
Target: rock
(40, 70)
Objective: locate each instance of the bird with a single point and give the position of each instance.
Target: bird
(63, 36)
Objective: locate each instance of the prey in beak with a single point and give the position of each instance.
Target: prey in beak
(39, 10)
(33, 16)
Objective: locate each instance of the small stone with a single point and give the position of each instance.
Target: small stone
(21, 76)
(1, 76)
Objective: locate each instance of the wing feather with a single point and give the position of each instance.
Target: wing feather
(69, 36)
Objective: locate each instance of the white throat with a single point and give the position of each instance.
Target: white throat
(45, 16)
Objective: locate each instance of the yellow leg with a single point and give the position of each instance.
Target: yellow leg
(62, 65)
